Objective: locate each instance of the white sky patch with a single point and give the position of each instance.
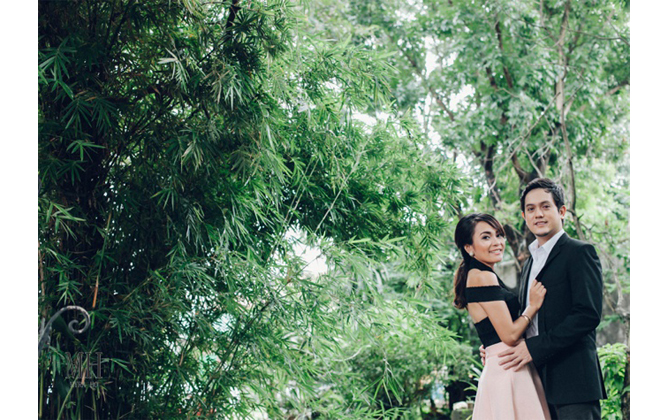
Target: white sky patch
(459, 97)
(431, 58)
(370, 121)
(315, 261)
(365, 119)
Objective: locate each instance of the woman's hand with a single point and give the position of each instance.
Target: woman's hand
(537, 292)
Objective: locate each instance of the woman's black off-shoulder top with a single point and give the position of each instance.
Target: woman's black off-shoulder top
(487, 334)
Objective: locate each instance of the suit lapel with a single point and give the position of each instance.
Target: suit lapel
(554, 252)
(525, 272)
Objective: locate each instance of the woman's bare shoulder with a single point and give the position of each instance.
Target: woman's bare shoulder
(479, 278)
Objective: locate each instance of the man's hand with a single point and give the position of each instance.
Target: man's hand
(482, 354)
(516, 357)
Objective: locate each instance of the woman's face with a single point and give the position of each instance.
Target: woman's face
(487, 245)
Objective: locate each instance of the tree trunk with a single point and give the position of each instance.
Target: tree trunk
(562, 107)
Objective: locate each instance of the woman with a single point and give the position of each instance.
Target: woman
(493, 307)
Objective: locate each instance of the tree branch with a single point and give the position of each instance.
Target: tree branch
(524, 177)
(234, 8)
(433, 93)
(506, 73)
(486, 155)
(616, 88)
(562, 108)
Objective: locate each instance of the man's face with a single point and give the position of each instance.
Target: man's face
(542, 216)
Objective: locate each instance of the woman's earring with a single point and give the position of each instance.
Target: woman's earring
(472, 254)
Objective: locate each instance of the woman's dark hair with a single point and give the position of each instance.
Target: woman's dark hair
(549, 186)
(465, 230)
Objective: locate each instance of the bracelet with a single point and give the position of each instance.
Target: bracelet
(528, 319)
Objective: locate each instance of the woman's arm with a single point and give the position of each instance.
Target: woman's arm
(497, 311)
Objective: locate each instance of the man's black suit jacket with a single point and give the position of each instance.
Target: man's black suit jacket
(564, 352)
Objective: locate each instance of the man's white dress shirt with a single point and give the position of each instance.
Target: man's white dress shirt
(540, 255)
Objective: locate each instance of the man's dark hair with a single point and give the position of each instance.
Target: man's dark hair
(549, 186)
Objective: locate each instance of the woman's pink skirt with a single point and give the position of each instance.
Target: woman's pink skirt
(506, 394)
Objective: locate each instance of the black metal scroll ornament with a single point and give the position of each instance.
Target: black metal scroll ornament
(45, 332)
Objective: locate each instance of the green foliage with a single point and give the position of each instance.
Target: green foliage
(614, 360)
(187, 150)
(181, 148)
(514, 90)
(385, 357)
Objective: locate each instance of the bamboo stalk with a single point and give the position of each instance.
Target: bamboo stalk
(102, 256)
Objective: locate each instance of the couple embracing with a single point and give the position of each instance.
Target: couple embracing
(539, 347)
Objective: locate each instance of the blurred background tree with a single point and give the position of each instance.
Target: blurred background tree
(510, 91)
(188, 152)
(515, 90)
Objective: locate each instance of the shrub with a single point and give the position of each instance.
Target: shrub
(613, 360)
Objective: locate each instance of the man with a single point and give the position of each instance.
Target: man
(561, 340)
